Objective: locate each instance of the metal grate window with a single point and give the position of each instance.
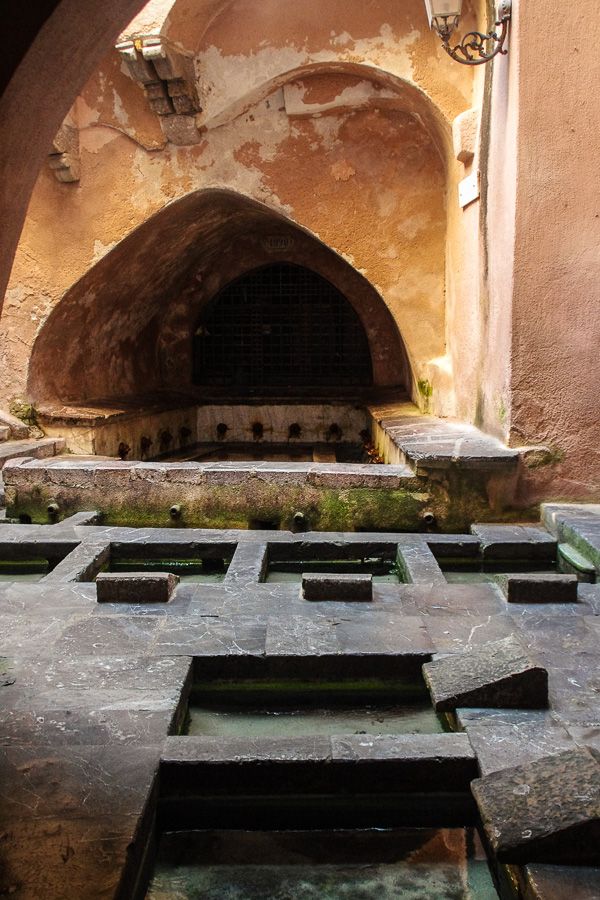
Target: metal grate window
(278, 327)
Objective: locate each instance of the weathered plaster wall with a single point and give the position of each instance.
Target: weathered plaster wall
(343, 153)
(136, 341)
(521, 359)
(501, 193)
(544, 238)
(68, 39)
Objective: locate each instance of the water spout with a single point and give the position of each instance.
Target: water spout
(165, 439)
(334, 432)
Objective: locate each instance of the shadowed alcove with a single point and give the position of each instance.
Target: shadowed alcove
(138, 310)
(281, 328)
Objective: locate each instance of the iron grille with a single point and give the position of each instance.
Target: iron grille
(281, 327)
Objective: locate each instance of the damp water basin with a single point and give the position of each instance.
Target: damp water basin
(436, 864)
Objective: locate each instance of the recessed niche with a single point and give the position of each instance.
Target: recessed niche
(371, 864)
(256, 709)
(470, 571)
(193, 563)
(288, 563)
(24, 570)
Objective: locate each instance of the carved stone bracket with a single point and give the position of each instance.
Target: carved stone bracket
(167, 80)
(64, 159)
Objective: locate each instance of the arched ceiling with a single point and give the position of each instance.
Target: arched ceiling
(106, 330)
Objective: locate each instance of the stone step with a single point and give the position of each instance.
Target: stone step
(40, 449)
(4, 433)
(17, 429)
(424, 442)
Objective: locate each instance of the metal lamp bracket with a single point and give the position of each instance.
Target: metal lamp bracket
(476, 48)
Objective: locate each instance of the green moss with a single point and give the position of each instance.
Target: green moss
(426, 393)
(370, 509)
(502, 411)
(544, 456)
(457, 499)
(425, 388)
(23, 411)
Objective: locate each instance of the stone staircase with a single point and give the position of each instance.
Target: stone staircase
(17, 440)
(42, 448)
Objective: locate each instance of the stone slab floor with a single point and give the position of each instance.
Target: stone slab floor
(89, 691)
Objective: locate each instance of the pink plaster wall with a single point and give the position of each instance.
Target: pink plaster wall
(543, 375)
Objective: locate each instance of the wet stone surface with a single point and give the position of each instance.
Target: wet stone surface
(440, 865)
(562, 882)
(89, 691)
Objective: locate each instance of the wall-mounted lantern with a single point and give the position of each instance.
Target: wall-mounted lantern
(475, 48)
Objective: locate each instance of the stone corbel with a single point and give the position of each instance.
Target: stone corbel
(169, 87)
(64, 159)
(465, 135)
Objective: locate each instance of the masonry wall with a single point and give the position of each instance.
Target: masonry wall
(338, 122)
(520, 324)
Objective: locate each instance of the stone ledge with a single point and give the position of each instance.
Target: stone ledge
(427, 442)
(515, 542)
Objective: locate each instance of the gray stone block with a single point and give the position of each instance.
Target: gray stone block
(547, 811)
(540, 588)
(343, 588)
(135, 587)
(499, 675)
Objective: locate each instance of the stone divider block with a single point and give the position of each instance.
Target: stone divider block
(500, 675)
(82, 564)
(539, 588)
(410, 763)
(547, 811)
(341, 588)
(248, 565)
(419, 566)
(135, 587)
